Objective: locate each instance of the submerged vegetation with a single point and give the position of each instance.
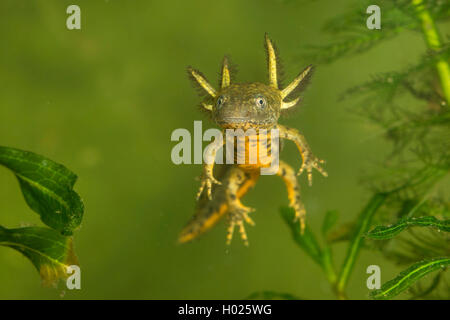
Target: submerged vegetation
(48, 190)
(107, 95)
(407, 217)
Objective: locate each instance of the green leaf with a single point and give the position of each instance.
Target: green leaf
(331, 217)
(272, 295)
(307, 241)
(362, 225)
(383, 232)
(46, 187)
(407, 277)
(49, 251)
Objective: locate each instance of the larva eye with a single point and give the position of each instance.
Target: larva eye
(260, 102)
(219, 102)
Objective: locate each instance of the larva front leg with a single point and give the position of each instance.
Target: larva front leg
(310, 161)
(207, 177)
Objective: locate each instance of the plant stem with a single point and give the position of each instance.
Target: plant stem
(310, 245)
(362, 226)
(434, 43)
(327, 266)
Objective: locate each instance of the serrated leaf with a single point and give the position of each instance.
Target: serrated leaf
(49, 251)
(388, 232)
(46, 187)
(407, 277)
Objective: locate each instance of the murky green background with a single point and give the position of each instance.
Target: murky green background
(104, 101)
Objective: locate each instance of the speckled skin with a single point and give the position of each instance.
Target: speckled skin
(247, 106)
(239, 109)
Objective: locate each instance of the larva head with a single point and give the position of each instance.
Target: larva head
(249, 104)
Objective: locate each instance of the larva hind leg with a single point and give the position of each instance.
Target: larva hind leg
(289, 177)
(238, 183)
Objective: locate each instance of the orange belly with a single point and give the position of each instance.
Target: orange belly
(253, 152)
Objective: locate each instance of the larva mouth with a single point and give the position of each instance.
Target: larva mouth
(242, 123)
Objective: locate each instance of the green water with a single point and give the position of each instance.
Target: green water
(104, 100)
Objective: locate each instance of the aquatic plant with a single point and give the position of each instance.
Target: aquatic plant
(408, 204)
(48, 190)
